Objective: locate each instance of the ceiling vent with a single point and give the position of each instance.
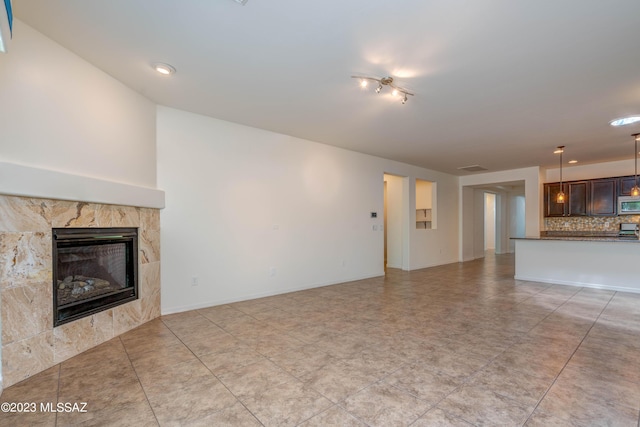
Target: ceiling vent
(473, 168)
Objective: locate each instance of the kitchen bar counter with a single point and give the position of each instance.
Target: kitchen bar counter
(604, 262)
(583, 238)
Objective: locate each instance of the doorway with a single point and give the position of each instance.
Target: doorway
(491, 214)
(396, 221)
(489, 222)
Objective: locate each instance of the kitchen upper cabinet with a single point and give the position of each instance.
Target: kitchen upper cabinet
(577, 197)
(595, 197)
(551, 208)
(603, 197)
(578, 200)
(626, 184)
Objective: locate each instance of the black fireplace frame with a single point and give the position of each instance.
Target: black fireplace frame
(70, 237)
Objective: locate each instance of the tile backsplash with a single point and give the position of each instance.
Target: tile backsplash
(588, 223)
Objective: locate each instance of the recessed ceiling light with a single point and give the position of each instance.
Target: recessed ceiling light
(572, 162)
(559, 150)
(242, 2)
(625, 121)
(164, 69)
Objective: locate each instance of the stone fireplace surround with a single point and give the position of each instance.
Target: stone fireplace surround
(30, 343)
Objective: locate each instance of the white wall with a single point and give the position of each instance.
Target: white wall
(59, 113)
(516, 222)
(467, 224)
(489, 221)
(396, 222)
(532, 178)
(438, 245)
(478, 227)
(593, 171)
(69, 131)
(241, 201)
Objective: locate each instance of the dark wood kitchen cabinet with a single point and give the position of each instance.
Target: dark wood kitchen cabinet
(576, 199)
(604, 197)
(626, 184)
(551, 208)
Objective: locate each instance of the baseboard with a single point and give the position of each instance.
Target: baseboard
(578, 284)
(446, 262)
(173, 310)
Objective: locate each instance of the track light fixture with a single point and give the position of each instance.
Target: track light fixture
(385, 81)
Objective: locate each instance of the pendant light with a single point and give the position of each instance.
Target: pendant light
(635, 191)
(560, 197)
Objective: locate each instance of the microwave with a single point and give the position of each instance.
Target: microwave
(628, 205)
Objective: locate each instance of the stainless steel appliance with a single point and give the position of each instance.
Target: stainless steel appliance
(629, 229)
(628, 205)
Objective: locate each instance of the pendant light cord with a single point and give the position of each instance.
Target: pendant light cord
(561, 151)
(635, 179)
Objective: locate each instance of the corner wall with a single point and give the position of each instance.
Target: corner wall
(68, 132)
(469, 206)
(252, 213)
(60, 113)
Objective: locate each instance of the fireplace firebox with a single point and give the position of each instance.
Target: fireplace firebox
(94, 269)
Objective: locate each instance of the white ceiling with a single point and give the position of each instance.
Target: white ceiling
(498, 83)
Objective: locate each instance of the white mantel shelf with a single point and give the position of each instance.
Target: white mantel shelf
(27, 181)
(602, 263)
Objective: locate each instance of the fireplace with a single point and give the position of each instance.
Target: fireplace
(94, 269)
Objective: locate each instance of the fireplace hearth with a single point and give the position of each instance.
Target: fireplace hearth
(94, 269)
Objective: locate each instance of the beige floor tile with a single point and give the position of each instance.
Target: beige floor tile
(304, 361)
(40, 389)
(539, 364)
(232, 416)
(231, 359)
(130, 414)
(438, 418)
(384, 405)
(287, 404)
(424, 383)
(523, 388)
(164, 356)
(453, 364)
(466, 337)
(148, 341)
(336, 381)
(334, 416)
(566, 402)
(254, 379)
(482, 407)
(185, 392)
(595, 387)
(542, 419)
(216, 342)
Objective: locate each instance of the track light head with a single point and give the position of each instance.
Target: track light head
(385, 81)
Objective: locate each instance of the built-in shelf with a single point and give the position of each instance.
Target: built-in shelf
(423, 219)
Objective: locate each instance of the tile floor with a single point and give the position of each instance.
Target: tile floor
(456, 345)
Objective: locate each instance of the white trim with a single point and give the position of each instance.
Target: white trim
(27, 181)
(208, 304)
(578, 284)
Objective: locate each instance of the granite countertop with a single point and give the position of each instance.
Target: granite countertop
(582, 236)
